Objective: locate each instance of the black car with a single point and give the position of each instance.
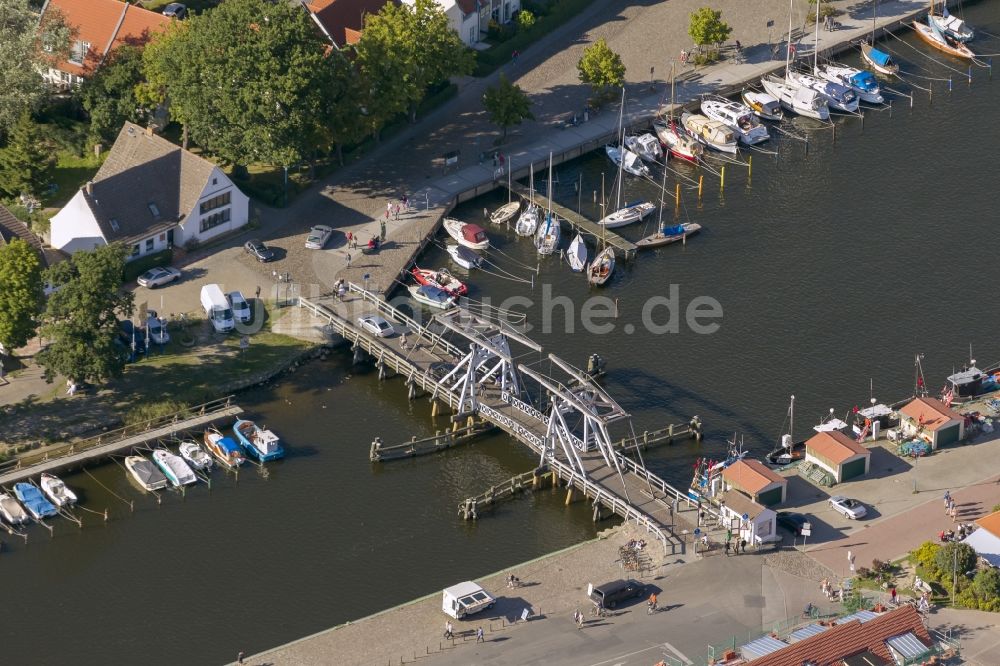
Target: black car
(792, 521)
(258, 250)
(175, 10)
(611, 594)
(132, 334)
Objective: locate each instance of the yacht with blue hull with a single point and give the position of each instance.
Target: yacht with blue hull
(259, 443)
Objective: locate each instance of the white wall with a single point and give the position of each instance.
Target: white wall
(74, 228)
(239, 211)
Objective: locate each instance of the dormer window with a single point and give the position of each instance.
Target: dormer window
(154, 210)
(114, 224)
(79, 52)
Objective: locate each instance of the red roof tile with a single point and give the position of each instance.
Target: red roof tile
(751, 476)
(991, 523)
(931, 412)
(344, 19)
(834, 446)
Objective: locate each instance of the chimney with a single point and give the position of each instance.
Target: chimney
(90, 187)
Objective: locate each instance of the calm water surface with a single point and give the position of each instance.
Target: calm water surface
(833, 269)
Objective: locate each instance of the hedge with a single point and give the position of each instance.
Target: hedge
(134, 269)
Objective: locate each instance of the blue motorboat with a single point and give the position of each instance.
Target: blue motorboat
(259, 443)
(34, 501)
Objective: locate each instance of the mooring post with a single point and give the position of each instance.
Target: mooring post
(434, 408)
(677, 197)
(701, 180)
(749, 169)
(722, 178)
(569, 494)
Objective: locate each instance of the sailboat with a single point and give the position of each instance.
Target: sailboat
(930, 33)
(506, 212)
(678, 143)
(549, 231)
(645, 146)
(577, 254)
(794, 96)
(627, 160)
(670, 234)
(838, 96)
(861, 81)
(602, 266)
(950, 26)
(632, 212)
(788, 451)
(527, 223)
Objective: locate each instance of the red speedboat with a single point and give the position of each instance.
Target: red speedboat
(441, 279)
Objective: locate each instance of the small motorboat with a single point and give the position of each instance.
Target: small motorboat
(737, 117)
(797, 98)
(432, 296)
(626, 160)
(646, 146)
(225, 450)
(679, 144)
(527, 222)
(441, 279)
(668, 235)
(505, 213)
(11, 511)
(195, 456)
(174, 468)
(862, 82)
(260, 443)
(950, 25)
(464, 257)
(470, 235)
(577, 254)
(601, 267)
(837, 96)
(930, 33)
(880, 61)
(547, 238)
(763, 105)
(34, 501)
(57, 491)
(632, 212)
(713, 133)
(145, 473)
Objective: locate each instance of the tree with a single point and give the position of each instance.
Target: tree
(602, 68)
(987, 584)
(507, 104)
(81, 316)
(25, 50)
(342, 118)
(21, 297)
(109, 95)
(26, 164)
(247, 79)
(954, 557)
(708, 28)
(525, 19)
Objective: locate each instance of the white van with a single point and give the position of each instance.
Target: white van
(217, 308)
(465, 599)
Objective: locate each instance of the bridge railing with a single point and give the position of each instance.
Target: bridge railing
(659, 484)
(384, 308)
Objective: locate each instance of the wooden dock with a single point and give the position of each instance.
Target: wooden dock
(439, 441)
(77, 454)
(577, 222)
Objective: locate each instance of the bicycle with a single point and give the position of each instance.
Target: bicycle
(652, 608)
(599, 611)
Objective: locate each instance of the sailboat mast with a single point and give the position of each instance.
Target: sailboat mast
(788, 50)
(816, 44)
(791, 418)
(621, 148)
(671, 95)
(549, 189)
(663, 194)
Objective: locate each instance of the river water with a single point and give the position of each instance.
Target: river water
(832, 268)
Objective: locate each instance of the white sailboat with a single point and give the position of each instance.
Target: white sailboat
(632, 212)
(794, 96)
(677, 142)
(602, 266)
(646, 146)
(738, 117)
(505, 213)
(627, 160)
(838, 96)
(549, 230)
(862, 82)
(577, 254)
(527, 222)
(665, 235)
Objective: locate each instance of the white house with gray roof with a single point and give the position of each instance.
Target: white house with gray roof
(149, 194)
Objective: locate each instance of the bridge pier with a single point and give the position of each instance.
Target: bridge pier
(569, 495)
(411, 389)
(383, 371)
(358, 353)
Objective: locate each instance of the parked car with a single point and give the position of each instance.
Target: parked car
(318, 237)
(175, 10)
(157, 330)
(851, 508)
(611, 594)
(257, 249)
(376, 325)
(241, 309)
(792, 521)
(133, 337)
(159, 276)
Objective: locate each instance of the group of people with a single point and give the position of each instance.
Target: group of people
(513, 581)
(635, 544)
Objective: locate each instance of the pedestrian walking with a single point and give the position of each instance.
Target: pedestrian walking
(954, 513)
(513, 56)
(479, 635)
(729, 535)
(257, 293)
(743, 546)
(348, 259)
(701, 516)
(239, 657)
(402, 345)
(395, 212)
(341, 291)
(892, 595)
(350, 238)
(449, 631)
(727, 547)
(381, 232)
(406, 203)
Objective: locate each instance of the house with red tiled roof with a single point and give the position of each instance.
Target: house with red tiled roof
(838, 454)
(99, 26)
(342, 20)
(747, 519)
(471, 18)
(933, 421)
(985, 540)
(756, 481)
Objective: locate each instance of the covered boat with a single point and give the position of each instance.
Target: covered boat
(930, 33)
(712, 133)
(646, 146)
(441, 279)
(225, 450)
(577, 254)
(678, 143)
(260, 443)
(737, 117)
(763, 105)
(880, 61)
(464, 257)
(862, 82)
(505, 213)
(56, 490)
(34, 501)
(632, 212)
(174, 468)
(467, 234)
(145, 473)
(950, 25)
(797, 98)
(11, 511)
(527, 222)
(627, 160)
(547, 238)
(668, 235)
(195, 456)
(970, 382)
(602, 267)
(432, 296)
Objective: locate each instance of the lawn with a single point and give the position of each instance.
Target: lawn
(70, 173)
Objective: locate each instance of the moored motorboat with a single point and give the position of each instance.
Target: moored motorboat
(577, 254)
(431, 296)
(195, 456)
(34, 501)
(678, 143)
(11, 511)
(174, 468)
(667, 235)
(632, 212)
(627, 160)
(465, 233)
(601, 267)
(464, 257)
(225, 450)
(837, 96)
(505, 213)
(880, 61)
(145, 473)
(260, 443)
(57, 491)
(441, 278)
(547, 237)
(796, 98)
(862, 82)
(737, 117)
(527, 221)
(763, 105)
(933, 36)
(646, 146)
(713, 133)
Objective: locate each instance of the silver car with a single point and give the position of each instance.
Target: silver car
(159, 276)
(376, 325)
(241, 309)
(851, 508)
(318, 237)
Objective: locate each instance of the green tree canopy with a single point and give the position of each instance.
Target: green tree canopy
(109, 96)
(953, 557)
(602, 68)
(26, 163)
(342, 118)
(987, 583)
(81, 316)
(21, 297)
(707, 27)
(25, 50)
(507, 104)
(247, 79)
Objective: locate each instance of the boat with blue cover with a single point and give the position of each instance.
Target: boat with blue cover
(34, 501)
(862, 82)
(259, 443)
(880, 61)
(223, 448)
(669, 234)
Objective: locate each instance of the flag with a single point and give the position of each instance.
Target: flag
(855, 409)
(920, 381)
